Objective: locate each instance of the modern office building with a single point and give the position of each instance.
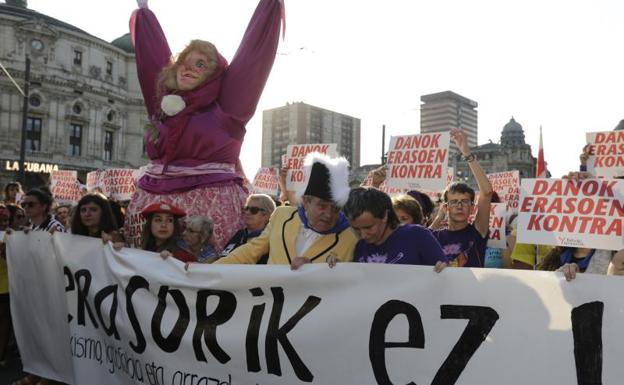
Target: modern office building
(300, 123)
(446, 110)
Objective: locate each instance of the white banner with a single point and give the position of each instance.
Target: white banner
(507, 186)
(295, 155)
(137, 319)
(606, 153)
(561, 212)
(418, 161)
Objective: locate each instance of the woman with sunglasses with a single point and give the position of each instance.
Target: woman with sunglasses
(256, 214)
(37, 204)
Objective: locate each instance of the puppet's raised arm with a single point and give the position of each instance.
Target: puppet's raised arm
(152, 52)
(246, 76)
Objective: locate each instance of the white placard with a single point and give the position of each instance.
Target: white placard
(561, 212)
(353, 324)
(64, 186)
(418, 161)
(497, 237)
(507, 186)
(295, 155)
(606, 153)
(266, 181)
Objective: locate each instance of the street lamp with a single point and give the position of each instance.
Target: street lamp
(22, 167)
(22, 161)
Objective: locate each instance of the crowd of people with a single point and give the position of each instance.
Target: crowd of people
(193, 200)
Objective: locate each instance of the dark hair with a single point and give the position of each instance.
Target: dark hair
(459, 188)
(43, 196)
(107, 220)
(552, 260)
(12, 184)
(426, 204)
(148, 242)
(376, 202)
(13, 210)
(495, 198)
(410, 206)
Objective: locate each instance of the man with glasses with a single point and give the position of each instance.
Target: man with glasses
(37, 204)
(462, 242)
(313, 231)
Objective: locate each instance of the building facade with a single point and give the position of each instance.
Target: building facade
(300, 123)
(512, 153)
(85, 109)
(444, 111)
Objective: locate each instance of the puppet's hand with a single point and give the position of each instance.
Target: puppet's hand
(142, 3)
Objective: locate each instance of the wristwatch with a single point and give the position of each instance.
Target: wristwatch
(469, 158)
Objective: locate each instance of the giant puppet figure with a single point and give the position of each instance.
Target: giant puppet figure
(198, 106)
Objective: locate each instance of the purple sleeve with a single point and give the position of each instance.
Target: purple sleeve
(152, 53)
(431, 249)
(247, 74)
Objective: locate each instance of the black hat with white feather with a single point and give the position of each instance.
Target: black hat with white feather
(325, 178)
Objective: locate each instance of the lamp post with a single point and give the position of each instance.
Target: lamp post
(22, 166)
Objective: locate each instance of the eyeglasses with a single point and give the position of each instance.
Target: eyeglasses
(253, 210)
(28, 205)
(457, 203)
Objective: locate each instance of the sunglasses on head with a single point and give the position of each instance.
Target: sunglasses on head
(253, 210)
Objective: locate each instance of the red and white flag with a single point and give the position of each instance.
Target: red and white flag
(540, 168)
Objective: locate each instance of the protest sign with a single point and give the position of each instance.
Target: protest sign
(116, 183)
(507, 186)
(119, 183)
(606, 153)
(64, 186)
(562, 212)
(497, 237)
(438, 196)
(295, 154)
(418, 161)
(133, 318)
(266, 181)
(94, 180)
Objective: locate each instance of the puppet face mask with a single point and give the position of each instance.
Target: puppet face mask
(193, 71)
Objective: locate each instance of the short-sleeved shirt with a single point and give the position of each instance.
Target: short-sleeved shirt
(407, 245)
(493, 258)
(529, 254)
(464, 248)
(49, 224)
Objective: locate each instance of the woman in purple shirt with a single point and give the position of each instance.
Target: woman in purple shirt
(383, 239)
(198, 106)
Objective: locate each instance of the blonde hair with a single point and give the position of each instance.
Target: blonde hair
(167, 78)
(264, 201)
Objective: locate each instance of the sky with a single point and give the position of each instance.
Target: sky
(551, 63)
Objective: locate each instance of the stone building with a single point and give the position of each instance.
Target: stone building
(512, 153)
(85, 109)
